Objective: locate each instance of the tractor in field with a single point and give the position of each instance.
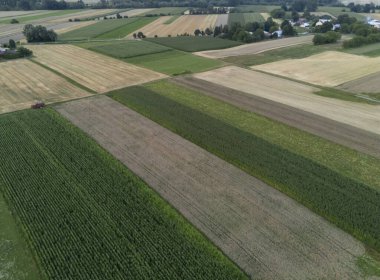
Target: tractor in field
(38, 105)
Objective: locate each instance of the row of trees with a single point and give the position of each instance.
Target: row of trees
(38, 4)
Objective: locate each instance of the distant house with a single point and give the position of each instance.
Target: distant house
(374, 23)
(336, 27)
(3, 50)
(277, 33)
(322, 21)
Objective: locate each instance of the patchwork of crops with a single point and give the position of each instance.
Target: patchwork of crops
(244, 18)
(96, 30)
(194, 44)
(175, 62)
(348, 202)
(125, 48)
(184, 24)
(97, 72)
(87, 217)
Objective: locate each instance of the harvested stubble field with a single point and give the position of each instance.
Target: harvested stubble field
(90, 217)
(255, 48)
(92, 70)
(23, 82)
(300, 96)
(267, 234)
(329, 68)
(349, 136)
(183, 24)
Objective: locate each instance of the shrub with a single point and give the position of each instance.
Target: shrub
(327, 38)
(14, 21)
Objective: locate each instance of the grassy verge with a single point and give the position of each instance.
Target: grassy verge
(350, 200)
(16, 261)
(346, 96)
(87, 216)
(175, 62)
(194, 44)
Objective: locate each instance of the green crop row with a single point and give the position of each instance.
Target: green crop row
(86, 216)
(194, 43)
(349, 203)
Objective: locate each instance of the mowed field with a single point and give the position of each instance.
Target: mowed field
(95, 71)
(267, 234)
(297, 95)
(325, 69)
(255, 48)
(183, 24)
(23, 82)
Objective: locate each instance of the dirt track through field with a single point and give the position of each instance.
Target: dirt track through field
(95, 71)
(266, 233)
(22, 82)
(299, 96)
(355, 138)
(255, 48)
(326, 69)
(183, 24)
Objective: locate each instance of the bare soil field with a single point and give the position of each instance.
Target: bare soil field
(79, 15)
(22, 82)
(326, 69)
(92, 70)
(183, 24)
(340, 133)
(222, 20)
(135, 12)
(255, 48)
(366, 84)
(70, 26)
(267, 234)
(299, 96)
(5, 14)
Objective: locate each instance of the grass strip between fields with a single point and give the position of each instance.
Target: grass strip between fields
(75, 83)
(87, 216)
(350, 203)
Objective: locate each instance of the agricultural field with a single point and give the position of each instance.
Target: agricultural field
(41, 16)
(327, 69)
(186, 24)
(99, 29)
(314, 184)
(354, 138)
(255, 48)
(194, 43)
(337, 11)
(256, 8)
(175, 62)
(166, 11)
(296, 95)
(196, 182)
(11, 14)
(94, 71)
(368, 85)
(291, 52)
(244, 18)
(124, 48)
(23, 82)
(91, 210)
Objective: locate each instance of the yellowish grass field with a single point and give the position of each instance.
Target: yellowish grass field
(325, 69)
(296, 95)
(92, 70)
(22, 82)
(183, 24)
